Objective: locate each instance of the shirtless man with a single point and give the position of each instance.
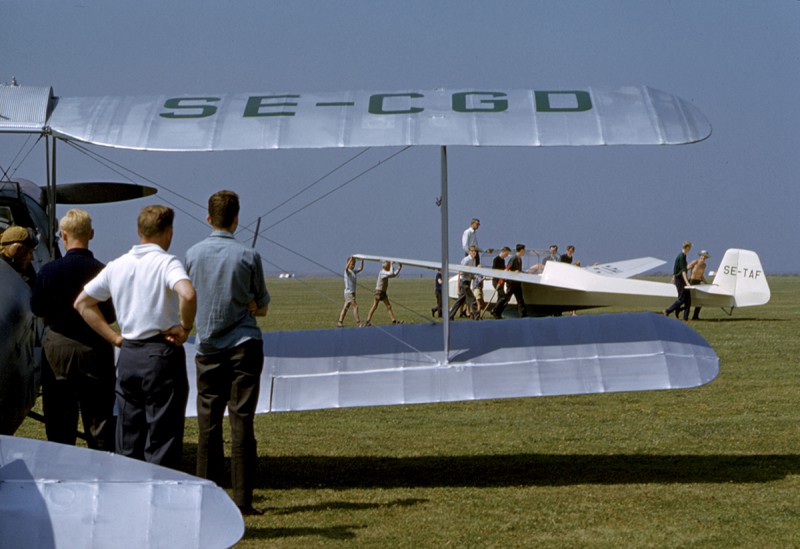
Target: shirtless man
(697, 270)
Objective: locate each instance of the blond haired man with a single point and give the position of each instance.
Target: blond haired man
(81, 373)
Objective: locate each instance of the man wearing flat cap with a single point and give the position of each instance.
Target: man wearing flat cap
(16, 249)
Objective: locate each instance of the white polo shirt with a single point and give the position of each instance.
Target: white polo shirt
(141, 284)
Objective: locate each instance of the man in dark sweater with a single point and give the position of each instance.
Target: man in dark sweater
(81, 372)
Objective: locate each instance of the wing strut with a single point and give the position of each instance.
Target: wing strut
(445, 259)
(51, 195)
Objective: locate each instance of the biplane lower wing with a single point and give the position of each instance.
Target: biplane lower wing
(392, 365)
(56, 495)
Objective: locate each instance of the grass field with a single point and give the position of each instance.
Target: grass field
(717, 466)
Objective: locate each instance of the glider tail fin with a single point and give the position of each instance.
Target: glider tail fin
(741, 275)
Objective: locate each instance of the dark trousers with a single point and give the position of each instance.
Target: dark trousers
(695, 282)
(465, 295)
(499, 290)
(152, 389)
(79, 379)
(512, 289)
(231, 379)
(684, 300)
(437, 311)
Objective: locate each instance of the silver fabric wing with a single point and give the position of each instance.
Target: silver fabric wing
(285, 120)
(54, 495)
(379, 366)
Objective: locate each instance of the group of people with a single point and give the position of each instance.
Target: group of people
(684, 275)
(156, 300)
(470, 286)
(388, 271)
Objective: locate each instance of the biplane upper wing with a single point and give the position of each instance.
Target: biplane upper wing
(632, 115)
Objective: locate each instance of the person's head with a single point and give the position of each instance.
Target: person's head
(18, 244)
(387, 265)
(223, 210)
(351, 262)
(553, 248)
(570, 250)
(154, 225)
(704, 255)
(687, 246)
(473, 251)
(505, 251)
(76, 229)
(520, 249)
(475, 223)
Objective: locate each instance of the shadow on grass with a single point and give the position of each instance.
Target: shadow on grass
(519, 470)
(342, 532)
(343, 506)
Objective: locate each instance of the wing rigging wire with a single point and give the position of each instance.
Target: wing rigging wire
(307, 187)
(9, 173)
(124, 172)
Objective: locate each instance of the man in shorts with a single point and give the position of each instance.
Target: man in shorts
(381, 286)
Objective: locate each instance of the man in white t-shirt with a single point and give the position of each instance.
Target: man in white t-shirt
(149, 288)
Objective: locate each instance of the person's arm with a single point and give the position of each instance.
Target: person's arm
(187, 307)
(89, 309)
(361, 268)
(254, 309)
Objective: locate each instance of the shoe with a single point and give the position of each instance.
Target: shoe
(397, 322)
(664, 313)
(250, 511)
(367, 323)
(339, 325)
(497, 316)
(433, 312)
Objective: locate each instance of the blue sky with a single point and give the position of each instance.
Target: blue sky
(736, 62)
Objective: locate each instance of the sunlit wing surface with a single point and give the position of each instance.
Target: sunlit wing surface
(634, 115)
(54, 495)
(627, 268)
(515, 358)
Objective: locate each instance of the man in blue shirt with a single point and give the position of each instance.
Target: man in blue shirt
(231, 292)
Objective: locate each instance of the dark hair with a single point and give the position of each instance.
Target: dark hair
(223, 207)
(520, 247)
(154, 220)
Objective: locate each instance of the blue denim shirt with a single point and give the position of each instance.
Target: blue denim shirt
(227, 275)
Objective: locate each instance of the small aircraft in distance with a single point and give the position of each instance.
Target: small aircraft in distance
(739, 281)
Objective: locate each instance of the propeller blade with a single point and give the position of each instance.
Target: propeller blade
(100, 192)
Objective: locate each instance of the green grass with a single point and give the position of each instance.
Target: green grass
(716, 466)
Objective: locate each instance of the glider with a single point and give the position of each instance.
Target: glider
(740, 281)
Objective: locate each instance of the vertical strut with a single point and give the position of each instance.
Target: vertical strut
(445, 260)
